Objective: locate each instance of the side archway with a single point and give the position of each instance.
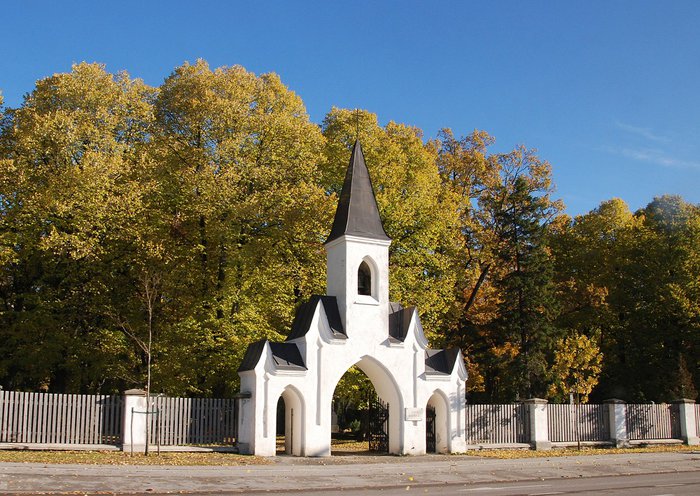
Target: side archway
(293, 421)
(438, 406)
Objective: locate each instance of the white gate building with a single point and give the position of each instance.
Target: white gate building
(354, 324)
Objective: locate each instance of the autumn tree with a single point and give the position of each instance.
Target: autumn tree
(71, 210)
(632, 279)
(240, 213)
(467, 172)
(506, 301)
(576, 368)
(660, 295)
(207, 185)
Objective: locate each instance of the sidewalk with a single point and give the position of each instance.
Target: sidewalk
(290, 474)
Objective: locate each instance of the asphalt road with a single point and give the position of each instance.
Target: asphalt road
(677, 484)
(639, 474)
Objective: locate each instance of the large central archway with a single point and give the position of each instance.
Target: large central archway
(387, 392)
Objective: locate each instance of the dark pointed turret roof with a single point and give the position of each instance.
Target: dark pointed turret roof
(302, 320)
(440, 361)
(285, 356)
(357, 213)
(399, 320)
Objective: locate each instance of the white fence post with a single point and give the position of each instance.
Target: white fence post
(689, 432)
(539, 428)
(245, 423)
(135, 418)
(617, 411)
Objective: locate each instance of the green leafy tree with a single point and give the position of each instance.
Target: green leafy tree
(240, 213)
(631, 277)
(506, 303)
(528, 305)
(71, 201)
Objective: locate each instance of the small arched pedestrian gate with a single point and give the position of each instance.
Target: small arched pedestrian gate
(378, 425)
(430, 444)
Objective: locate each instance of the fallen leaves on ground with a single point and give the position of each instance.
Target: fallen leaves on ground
(121, 458)
(558, 452)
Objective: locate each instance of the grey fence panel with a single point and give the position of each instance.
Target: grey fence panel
(653, 422)
(183, 421)
(497, 424)
(111, 427)
(571, 423)
(60, 418)
(697, 420)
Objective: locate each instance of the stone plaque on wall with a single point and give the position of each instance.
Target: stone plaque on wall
(414, 414)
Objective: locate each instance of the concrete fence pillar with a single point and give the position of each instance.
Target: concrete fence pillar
(135, 418)
(539, 428)
(245, 423)
(617, 411)
(689, 430)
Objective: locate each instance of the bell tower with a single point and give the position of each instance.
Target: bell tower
(358, 255)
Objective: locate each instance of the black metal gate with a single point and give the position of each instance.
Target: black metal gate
(378, 425)
(430, 430)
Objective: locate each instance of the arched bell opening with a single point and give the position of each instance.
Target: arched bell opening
(364, 280)
(367, 281)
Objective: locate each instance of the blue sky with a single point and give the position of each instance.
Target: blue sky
(607, 91)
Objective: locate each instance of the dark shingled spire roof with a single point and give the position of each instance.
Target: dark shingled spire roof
(357, 213)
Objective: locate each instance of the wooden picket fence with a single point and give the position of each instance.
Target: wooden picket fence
(497, 424)
(571, 423)
(73, 419)
(193, 421)
(45, 418)
(651, 421)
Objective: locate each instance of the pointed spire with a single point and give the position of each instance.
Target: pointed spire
(357, 213)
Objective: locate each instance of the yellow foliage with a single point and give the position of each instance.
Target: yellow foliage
(576, 368)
